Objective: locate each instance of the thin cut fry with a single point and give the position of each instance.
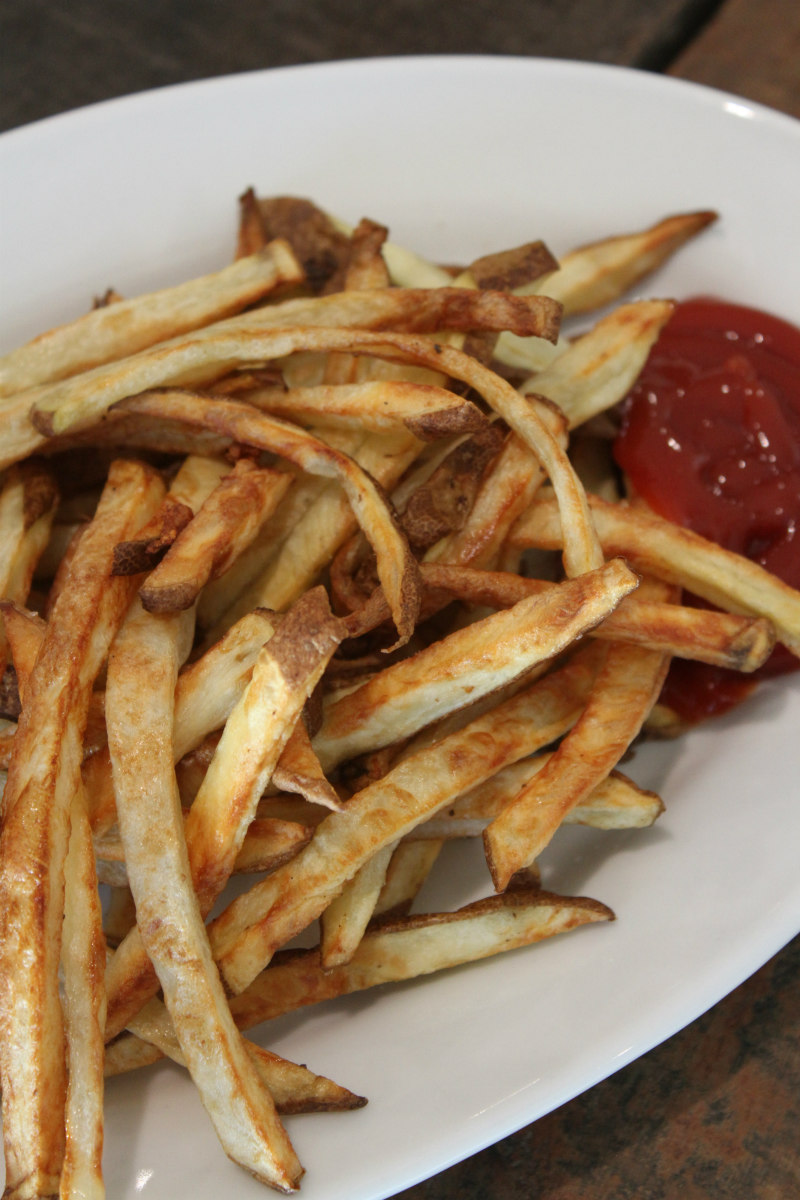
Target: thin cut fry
(83, 959)
(626, 688)
(285, 673)
(225, 525)
(466, 665)
(598, 273)
(343, 922)
(145, 661)
(127, 326)
(43, 776)
(680, 556)
(414, 946)
(253, 926)
(600, 368)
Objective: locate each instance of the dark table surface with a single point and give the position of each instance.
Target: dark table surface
(714, 1111)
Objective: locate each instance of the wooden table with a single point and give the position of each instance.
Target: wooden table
(715, 1111)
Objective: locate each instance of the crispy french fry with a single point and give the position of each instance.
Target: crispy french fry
(43, 776)
(379, 405)
(343, 922)
(294, 1088)
(679, 556)
(225, 524)
(626, 688)
(722, 639)
(465, 666)
(253, 926)
(410, 866)
(83, 958)
(127, 326)
(145, 661)
(285, 673)
(599, 273)
(600, 368)
(614, 803)
(414, 946)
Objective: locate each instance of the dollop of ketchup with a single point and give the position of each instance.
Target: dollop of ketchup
(710, 438)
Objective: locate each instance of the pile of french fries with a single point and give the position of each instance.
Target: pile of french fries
(309, 566)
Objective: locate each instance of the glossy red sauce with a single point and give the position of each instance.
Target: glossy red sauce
(711, 439)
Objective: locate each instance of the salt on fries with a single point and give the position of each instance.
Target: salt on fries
(250, 528)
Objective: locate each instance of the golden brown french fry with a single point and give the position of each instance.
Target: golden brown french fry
(343, 922)
(679, 556)
(43, 776)
(254, 925)
(380, 405)
(414, 946)
(626, 688)
(466, 665)
(255, 733)
(83, 960)
(223, 526)
(127, 326)
(294, 1088)
(144, 663)
(614, 803)
(600, 368)
(209, 687)
(410, 866)
(722, 639)
(598, 273)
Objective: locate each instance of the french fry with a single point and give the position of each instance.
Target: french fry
(226, 523)
(379, 405)
(466, 665)
(722, 639)
(246, 934)
(600, 368)
(43, 776)
(614, 803)
(409, 867)
(678, 556)
(144, 661)
(343, 922)
(283, 676)
(294, 1088)
(598, 273)
(414, 946)
(626, 688)
(83, 964)
(115, 331)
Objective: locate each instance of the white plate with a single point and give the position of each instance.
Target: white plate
(459, 157)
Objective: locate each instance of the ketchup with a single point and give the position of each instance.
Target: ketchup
(710, 438)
